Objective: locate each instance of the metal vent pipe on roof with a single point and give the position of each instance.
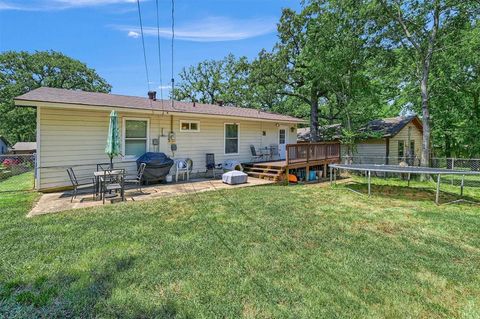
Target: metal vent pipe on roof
(152, 95)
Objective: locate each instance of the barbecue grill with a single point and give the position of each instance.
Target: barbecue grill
(157, 166)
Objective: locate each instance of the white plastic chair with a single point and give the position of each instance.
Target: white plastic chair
(183, 167)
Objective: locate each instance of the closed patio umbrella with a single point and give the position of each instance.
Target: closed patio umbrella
(113, 139)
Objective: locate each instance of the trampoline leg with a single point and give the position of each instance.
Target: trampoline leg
(408, 179)
(335, 176)
(437, 196)
(462, 185)
(369, 182)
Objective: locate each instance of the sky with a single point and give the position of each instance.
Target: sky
(105, 34)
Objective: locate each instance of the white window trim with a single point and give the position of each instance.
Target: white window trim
(190, 131)
(225, 139)
(124, 127)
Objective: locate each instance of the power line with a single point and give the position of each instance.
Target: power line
(143, 44)
(173, 40)
(159, 53)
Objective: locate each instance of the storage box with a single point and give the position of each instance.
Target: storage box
(234, 178)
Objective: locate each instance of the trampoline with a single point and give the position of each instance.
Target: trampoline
(369, 168)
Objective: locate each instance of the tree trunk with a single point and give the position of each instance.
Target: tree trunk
(314, 120)
(425, 160)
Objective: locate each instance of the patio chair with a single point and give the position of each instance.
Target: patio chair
(274, 152)
(103, 167)
(77, 183)
(255, 156)
(210, 164)
(137, 179)
(184, 167)
(113, 182)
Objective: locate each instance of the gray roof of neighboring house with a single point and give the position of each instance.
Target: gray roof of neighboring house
(25, 146)
(64, 96)
(387, 127)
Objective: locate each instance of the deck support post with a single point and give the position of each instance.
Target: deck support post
(331, 176)
(325, 170)
(437, 195)
(369, 183)
(307, 172)
(287, 173)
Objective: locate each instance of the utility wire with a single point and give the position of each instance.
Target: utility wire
(173, 52)
(143, 44)
(159, 54)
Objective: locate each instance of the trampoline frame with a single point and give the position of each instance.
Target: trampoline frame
(369, 168)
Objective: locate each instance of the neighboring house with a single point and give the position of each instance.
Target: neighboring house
(72, 131)
(24, 148)
(4, 144)
(399, 138)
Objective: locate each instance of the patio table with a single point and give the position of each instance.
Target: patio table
(98, 175)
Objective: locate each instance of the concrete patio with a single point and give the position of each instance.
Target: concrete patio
(59, 202)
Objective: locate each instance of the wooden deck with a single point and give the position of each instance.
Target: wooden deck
(298, 156)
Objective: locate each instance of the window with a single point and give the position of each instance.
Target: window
(189, 126)
(281, 136)
(135, 137)
(231, 138)
(401, 149)
(412, 148)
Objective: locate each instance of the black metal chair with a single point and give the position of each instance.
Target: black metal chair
(137, 179)
(113, 181)
(255, 155)
(210, 163)
(103, 167)
(77, 183)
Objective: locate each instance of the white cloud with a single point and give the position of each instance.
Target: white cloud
(50, 5)
(212, 29)
(133, 34)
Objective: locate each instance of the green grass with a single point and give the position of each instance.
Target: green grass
(264, 252)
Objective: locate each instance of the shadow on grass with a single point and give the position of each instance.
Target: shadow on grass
(409, 193)
(74, 295)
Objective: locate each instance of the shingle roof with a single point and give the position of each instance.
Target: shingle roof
(64, 96)
(387, 127)
(25, 146)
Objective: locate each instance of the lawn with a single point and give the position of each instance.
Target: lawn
(263, 252)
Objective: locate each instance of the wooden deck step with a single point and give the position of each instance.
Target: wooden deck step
(263, 169)
(274, 177)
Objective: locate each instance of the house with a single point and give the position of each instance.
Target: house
(72, 131)
(24, 148)
(394, 139)
(4, 144)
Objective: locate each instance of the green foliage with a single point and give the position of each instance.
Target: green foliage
(22, 71)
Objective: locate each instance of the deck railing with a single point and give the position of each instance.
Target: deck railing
(310, 152)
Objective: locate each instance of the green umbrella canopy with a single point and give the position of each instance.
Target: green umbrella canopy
(113, 139)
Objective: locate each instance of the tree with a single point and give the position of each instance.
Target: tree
(212, 81)
(322, 60)
(417, 27)
(21, 72)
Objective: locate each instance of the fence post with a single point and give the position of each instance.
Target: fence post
(453, 167)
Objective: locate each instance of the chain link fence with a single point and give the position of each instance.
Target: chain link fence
(17, 164)
(457, 164)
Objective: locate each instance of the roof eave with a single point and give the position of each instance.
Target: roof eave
(35, 103)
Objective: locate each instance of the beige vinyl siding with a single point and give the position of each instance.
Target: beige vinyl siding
(415, 134)
(372, 151)
(76, 137)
